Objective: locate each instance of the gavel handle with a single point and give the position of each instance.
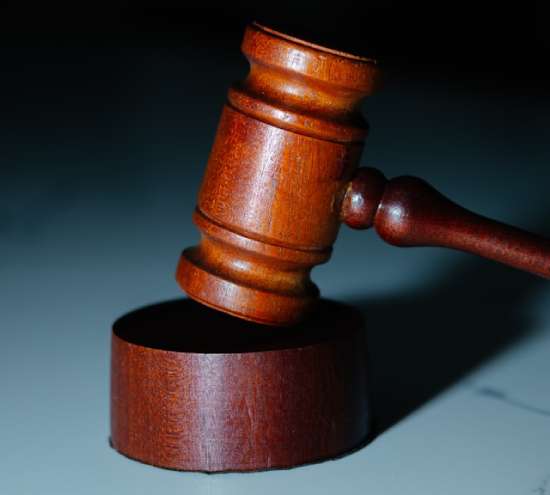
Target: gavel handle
(407, 211)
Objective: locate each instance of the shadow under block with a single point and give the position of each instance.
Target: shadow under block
(197, 390)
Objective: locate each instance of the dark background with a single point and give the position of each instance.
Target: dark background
(506, 39)
(68, 69)
(477, 34)
(78, 59)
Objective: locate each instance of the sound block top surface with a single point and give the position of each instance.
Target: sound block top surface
(184, 325)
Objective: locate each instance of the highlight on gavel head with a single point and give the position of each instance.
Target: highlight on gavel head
(269, 208)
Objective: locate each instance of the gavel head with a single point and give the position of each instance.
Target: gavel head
(270, 205)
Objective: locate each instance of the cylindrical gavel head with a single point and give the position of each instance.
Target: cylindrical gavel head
(269, 208)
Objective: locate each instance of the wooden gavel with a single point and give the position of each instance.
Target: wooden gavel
(282, 177)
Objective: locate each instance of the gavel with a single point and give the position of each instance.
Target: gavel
(282, 176)
(195, 389)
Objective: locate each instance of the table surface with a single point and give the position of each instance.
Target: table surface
(95, 208)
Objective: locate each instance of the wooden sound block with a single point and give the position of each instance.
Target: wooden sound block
(194, 389)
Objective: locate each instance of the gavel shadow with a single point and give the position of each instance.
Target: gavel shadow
(421, 342)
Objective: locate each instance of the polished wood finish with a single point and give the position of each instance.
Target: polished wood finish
(289, 139)
(280, 179)
(195, 389)
(407, 211)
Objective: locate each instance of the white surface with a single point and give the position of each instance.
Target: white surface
(59, 302)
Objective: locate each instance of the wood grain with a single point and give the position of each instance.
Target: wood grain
(289, 139)
(281, 178)
(195, 389)
(407, 211)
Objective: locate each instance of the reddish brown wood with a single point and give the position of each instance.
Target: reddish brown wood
(195, 389)
(289, 139)
(407, 211)
(279, 181)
